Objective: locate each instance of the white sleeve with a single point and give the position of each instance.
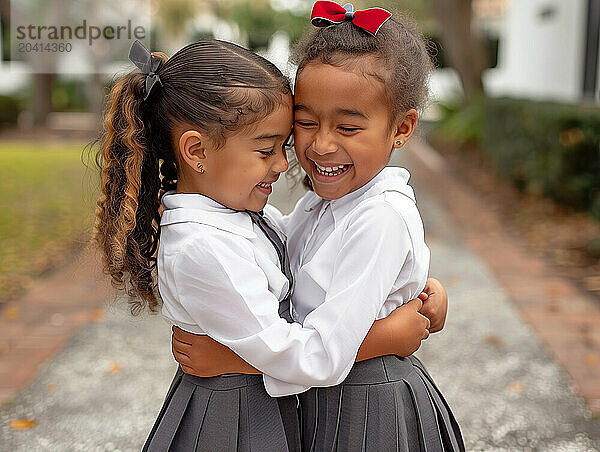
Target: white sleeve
(374, 253)
(227, 294)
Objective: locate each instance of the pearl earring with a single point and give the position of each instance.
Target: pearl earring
(199, 165)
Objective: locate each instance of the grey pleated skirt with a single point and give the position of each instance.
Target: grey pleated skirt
(224, 413)
(385, 404)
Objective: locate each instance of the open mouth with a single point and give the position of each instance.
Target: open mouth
(265, 187)
(330, 173)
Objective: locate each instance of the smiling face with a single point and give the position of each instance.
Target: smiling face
(238, 174)
(342, 132)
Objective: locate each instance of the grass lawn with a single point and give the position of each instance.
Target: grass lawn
(47, 200)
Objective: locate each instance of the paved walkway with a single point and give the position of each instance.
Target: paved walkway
(103, 390)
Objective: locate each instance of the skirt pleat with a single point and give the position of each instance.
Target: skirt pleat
(429, 430)
(219, 430)
(406, 420)
(186, 436)
(171, 417)
(168, 397)
(448, 426)
(333, 403)
(352, 420)
(244, 433)
(225, 413)
(381, 422)
(265, 421)
(308, 431)
(385, 404)
(288, 408)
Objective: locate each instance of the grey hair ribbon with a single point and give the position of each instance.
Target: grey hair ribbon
(147, 63)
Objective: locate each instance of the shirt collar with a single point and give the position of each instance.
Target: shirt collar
(197, 208)
(388, 179)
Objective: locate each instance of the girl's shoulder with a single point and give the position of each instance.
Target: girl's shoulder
(203, 234)
(208, 250)
(390, 203)
(390, 190)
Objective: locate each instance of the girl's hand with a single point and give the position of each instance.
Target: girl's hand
(435, 307)
(400, 333)
(204, 357)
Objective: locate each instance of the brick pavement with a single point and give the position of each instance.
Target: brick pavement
(37, 326)
(564, 316)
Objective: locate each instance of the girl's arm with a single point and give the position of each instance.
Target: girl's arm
(398, 334)
(222, 289)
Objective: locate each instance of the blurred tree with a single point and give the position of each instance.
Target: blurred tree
(42, 98)
(450, 22)
(259, 20)
(172, 18)
(419, 10)
(4, 22)
(463, 47)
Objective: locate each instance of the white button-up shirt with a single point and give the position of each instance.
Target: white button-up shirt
(218, 274)
(354, 260)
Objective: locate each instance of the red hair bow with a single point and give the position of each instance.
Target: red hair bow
(326, 13)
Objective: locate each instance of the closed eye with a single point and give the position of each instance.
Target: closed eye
(305, 123)
(266, 153)
(349, 129)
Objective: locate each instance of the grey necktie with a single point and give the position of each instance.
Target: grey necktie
(259, 219)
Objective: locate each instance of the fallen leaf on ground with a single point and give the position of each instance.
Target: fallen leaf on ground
(592, 360)
(22, 424)
(12, 312)
(494, 341)
(114, 368)
(517, 386)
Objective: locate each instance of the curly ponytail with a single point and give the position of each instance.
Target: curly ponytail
(128, 215)
(214, 86)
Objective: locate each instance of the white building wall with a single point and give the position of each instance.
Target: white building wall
(541, 58)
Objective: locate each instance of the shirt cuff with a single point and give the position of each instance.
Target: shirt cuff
(278, 388)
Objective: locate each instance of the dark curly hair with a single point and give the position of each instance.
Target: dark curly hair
(400, 52)
(216, 86)
(399, 48)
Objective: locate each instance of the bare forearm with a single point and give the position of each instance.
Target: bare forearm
(377, 343)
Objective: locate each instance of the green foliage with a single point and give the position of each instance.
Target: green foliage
(10, 107)
(69, 95)
(259, 20)
(547, 148)
(45, 210)
(419, 10)
(462, 123)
